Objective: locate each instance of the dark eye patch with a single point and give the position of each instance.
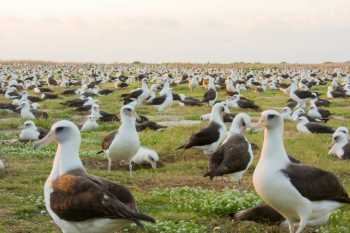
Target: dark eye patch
(271, 116)
(59, 129)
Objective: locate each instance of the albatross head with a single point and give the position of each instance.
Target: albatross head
(218, 111)
(303, 120)
(271, 119)
(128, 114)
(343, 130)
(62, 132)
(240, 123)
(339, 137)
(28, 125)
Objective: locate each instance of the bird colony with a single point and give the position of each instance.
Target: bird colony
(130, 144)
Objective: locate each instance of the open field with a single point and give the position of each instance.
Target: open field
(176, 194)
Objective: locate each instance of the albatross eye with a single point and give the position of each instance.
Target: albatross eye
(59, 129)
(270, 116)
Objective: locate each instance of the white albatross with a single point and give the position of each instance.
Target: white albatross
(302, 194)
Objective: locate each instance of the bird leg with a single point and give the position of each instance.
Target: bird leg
(291, 226)
(109, 167)
(302, 225)
(130, 169)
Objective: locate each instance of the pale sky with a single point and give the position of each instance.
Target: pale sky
(307, 31)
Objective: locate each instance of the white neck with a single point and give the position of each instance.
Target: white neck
(216, 116)
(273, 146)
(66, 159)
(236, 128)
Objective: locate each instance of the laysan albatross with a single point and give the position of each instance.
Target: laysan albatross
(78, 202)
(309, 195)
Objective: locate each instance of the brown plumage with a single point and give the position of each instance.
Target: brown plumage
(78, 197)
(316, 184)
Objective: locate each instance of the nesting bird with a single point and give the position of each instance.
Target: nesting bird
(341, 144)
(78, 202)
(30, 132)
(305, 126)
(146, 156)
(90, 123)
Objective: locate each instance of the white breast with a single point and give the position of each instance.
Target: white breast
(29, 134)
(124, 146)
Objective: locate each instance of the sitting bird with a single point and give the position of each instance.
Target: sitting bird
(30, 132)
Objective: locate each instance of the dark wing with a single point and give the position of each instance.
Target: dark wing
(191, 101)
(247, 104)
(292, 159)
(228, 117)
(42, 132)
(324, 113)
(318, 128)
(316, 184)
(303, 94)
(261, 214)
(105, 116)
(133, 94)
(107, 140)
(346, 150)
(34, 99)
(209, 95)
(204, 137)
(231, 157)
(150, 125)
(80, 197)
(40, 114)
(158, 100)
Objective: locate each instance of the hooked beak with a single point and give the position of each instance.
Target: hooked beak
(154, 164)
(49, 138)
(137, 116)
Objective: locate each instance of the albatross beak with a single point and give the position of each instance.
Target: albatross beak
(138, 118)
(49, 138)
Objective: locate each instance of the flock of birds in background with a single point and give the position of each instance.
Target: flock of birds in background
(81, 203)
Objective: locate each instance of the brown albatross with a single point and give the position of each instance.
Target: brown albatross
(78, 202)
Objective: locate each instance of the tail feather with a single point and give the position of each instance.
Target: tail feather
(143, 217)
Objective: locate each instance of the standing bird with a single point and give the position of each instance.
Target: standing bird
(78, 202)
(90, 123)
(125, 143)
(193, 82)
(309, 195)
(235, 155)
(163, 101)
(211, 95)
(209, 138)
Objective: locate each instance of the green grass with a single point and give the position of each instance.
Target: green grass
(176, 194)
